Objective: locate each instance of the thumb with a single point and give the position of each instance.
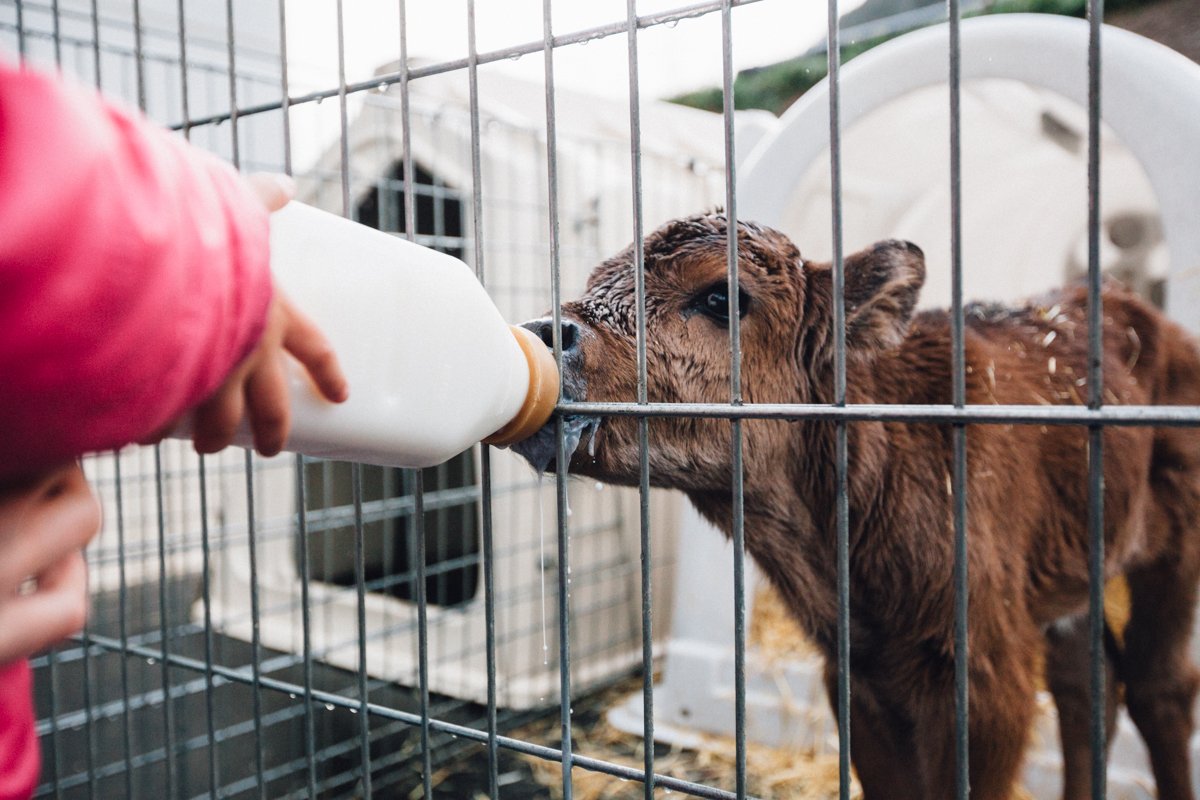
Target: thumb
(274, 189)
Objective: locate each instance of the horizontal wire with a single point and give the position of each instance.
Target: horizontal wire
(462, 731)
(1158, 416)
(490, 57)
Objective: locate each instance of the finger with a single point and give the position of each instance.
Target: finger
(273, 189)
(43, 528)
(217, 419)
(310, 347)
(56, 609)
(268, 407)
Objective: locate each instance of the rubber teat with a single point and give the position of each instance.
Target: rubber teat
(543, 391)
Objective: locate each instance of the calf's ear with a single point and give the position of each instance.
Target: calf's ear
(882, 284)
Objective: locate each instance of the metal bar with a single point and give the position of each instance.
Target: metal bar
(560, 480)
(56, 32)
(564, 613)
(635, 158)
(552, 189)
(839, 391)
(360, 576)
(489, 612)
(491, 57)
(410, 203)
(306, 624)
(287, 126)
(139, 57)
(235, 675)
(485, 452)
(21, 43)
(206, 598)
(233, 95)
(418, 532)
(737, 486)
(89, 726)
(958, 481)
(122, 627)
(1127, 416)
(1095, 15)
(55, 742)
(183, 71)
(88, 697)
(302, 545)
(164, 634)
(96, 41)
(255, 628)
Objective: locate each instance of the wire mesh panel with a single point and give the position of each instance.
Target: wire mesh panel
(292, 627)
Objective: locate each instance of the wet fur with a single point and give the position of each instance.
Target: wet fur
(1027, 490)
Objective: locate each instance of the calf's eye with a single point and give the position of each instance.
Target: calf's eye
(714, 303)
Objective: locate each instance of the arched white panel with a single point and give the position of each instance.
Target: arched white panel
(1150, 97)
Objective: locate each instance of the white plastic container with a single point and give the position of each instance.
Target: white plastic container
(432, 366)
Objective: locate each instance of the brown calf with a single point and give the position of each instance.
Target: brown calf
(1027, 489)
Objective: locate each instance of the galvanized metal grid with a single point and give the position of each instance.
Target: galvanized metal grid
(186, 676)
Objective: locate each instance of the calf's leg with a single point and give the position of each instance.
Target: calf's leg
(1068, 676)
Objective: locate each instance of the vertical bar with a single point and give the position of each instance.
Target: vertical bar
(355, 469)
(958, 481)
(55, 743)
(342, 112)
(410, 202)
(251, 529)
(233, 95)
(310, 755)
(56, 22)
(183, 76)
(304, 567)
(564, 610)
(255, 627)
(635, 159)
(1095, 14)
(735, 398)
(564, 617)
(286, 109)
(360, 579)
(122, 628)
(96, 40)
(489, 610)
(418, 529)
(839, 391)
(139, 55)
(210, 715)
(164, 631)
(21, 43)
(90, 756)
(485, 452)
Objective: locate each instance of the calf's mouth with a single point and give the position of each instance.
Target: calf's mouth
(541, 449)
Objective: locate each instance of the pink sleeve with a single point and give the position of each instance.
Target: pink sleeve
(20, 759)
(133, 273)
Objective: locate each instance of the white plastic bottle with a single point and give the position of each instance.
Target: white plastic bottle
(432, 366)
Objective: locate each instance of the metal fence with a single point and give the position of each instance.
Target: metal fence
(161, 710)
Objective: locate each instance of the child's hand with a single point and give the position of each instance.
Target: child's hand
(44, 525)
(258, 386)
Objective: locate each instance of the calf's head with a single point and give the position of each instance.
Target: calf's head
(785, 308)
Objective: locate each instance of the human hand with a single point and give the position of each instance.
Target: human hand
(258, 388)
(44, 525)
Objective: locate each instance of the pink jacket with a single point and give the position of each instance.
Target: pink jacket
(133, 278)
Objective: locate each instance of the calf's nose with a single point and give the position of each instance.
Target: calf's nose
(544, 328)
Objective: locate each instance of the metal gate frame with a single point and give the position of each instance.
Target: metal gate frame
(1095, 416)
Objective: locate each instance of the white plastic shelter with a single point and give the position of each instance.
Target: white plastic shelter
(1024, 212)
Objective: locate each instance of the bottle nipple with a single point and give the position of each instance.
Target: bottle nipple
(541, 397)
